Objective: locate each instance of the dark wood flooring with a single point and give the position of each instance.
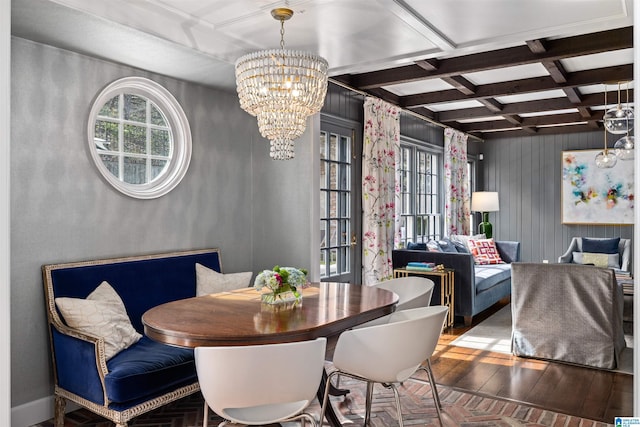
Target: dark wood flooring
(591, 393)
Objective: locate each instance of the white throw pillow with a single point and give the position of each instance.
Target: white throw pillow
(209, 281)
(464, 240)
(101, 314)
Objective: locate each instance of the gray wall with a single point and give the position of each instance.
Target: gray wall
(62, 210)
(527, 174)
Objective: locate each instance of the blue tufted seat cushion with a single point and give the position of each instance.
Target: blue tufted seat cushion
(488, 276)
(148, 368)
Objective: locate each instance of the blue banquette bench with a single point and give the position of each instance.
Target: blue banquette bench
(145, 375)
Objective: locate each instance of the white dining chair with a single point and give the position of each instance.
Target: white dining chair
(412, 291)
(390, 353)
(261, 384)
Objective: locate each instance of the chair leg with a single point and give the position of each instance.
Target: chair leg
(395, 393)
(369, 398)
(60, 403)
(205, 419)
(434, 390)
(325, 398)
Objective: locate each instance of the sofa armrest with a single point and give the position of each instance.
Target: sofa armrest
(80, 365)
(509, 251)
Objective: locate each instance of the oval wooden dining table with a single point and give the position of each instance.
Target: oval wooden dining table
(240, 318)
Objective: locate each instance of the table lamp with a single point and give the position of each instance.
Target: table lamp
(485, 202)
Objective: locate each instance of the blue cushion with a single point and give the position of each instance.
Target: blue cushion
(447, 245)
(461, 248)
(600, 246)
(417, 246)
(148, 368)
(487, 276)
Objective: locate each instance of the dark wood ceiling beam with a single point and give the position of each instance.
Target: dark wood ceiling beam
(605, 41)
(461, 84)
(535, 84)
(491, 104)
(428, 64)
(550, 120)
(540, 131)
(537, 106)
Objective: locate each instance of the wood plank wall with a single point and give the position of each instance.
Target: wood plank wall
(527, 174)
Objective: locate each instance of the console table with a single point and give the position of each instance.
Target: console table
(447, 282)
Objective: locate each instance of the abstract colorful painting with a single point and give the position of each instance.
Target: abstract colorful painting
(591, 195)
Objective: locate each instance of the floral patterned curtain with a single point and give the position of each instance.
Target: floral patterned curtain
(380, 195)
(456, 209)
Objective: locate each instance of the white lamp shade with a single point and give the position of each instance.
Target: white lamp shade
(485, 201)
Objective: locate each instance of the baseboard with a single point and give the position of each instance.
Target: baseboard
(36, 411)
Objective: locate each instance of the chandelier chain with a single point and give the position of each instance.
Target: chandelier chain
(282, 33)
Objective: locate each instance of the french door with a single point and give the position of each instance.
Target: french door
(340, 201)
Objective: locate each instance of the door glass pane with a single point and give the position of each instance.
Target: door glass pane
(335, 187)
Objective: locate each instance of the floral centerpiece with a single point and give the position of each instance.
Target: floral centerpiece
(283, 284)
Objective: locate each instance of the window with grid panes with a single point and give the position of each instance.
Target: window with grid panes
(419, 187)
(335, 205)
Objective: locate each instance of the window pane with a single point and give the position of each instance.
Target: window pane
(157, 118)
(111, 163)
(160, 142)
(106, 135)
(135, 108)
(344, 204)
(157, 166)
(135, 139)
(323, 234)
(110, 108)
(344, 260)
(345, 148)
(333, 233)
(323, 204)
(333, 147)
(324, 166)
(333, 176)
(323, 145)
(333, 204)
(344, 233)
(344, 177)
(135, 170)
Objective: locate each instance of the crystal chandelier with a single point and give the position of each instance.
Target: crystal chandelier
(281, 88)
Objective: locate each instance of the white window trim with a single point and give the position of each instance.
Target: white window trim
(181, 132)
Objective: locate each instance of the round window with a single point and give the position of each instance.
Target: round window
(139, 137)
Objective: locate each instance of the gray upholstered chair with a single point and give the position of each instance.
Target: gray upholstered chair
(567, 312)
(624, 252)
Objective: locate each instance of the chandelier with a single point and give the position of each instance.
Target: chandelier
(617, 120)
(281, 88)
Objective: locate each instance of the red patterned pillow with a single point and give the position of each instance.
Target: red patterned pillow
(484, 252)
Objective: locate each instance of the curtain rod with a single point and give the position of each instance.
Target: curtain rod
(412, 113)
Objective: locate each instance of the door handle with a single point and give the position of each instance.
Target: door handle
(354, 240)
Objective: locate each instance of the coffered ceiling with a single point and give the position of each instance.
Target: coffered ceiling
(491, 68)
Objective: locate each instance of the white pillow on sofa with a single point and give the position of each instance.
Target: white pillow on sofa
(209, 281)
(463, 240)
(101, 314)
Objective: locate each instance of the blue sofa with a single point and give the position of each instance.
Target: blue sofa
(145, 375)
(477, 287)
